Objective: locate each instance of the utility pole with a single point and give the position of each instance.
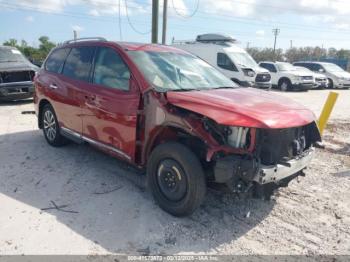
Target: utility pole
(75, 34)
(165, 18)
(248, 43)
(291, 44)
(155, 12)
(275, 31)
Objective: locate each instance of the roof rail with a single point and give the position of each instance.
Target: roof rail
(85, 39)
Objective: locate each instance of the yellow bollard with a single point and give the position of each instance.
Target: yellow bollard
(327, 110)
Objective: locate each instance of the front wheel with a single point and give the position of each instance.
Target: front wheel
(284, 85)
(176, 178)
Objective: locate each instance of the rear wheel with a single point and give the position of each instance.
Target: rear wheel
(176, 178)
(51, 128)
(284, 85)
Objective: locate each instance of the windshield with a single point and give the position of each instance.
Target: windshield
(242, 59)
(177, 71)
(332, 68)
(11, 55)
(285, 67)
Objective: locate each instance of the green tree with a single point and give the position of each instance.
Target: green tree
(45, 44)
(33, 53)
(11, 42)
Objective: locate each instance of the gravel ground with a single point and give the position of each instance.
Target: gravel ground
(109, 211)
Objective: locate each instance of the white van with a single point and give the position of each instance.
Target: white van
(233, 61)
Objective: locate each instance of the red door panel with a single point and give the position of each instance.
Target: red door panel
(110, 117)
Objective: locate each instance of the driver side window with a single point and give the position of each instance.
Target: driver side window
(225, 62)
(269, 67)
(110, 70)
(316, 67)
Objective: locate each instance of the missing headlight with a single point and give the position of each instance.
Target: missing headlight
(237, 136)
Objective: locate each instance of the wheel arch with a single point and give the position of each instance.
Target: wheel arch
(172, 133)
(283, 78)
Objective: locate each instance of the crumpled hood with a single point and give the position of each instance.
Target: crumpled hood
(17, 66)
(246, 107)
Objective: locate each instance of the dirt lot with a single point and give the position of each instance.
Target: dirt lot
(311, 216)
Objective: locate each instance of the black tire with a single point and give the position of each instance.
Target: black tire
(284, 85)
(330, 83)
(185, 171)
(52, 133)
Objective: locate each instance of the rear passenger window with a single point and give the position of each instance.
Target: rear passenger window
(78, 63)
(225, 62)
(110, 70)
(56, 59)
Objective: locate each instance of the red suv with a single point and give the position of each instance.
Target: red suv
(170, 113)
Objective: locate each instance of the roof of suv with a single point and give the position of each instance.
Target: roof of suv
(129, 46)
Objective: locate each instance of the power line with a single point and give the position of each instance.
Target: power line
(131, 24)
(94, 18)
(256, 21)
(186, 16)
(232, 18)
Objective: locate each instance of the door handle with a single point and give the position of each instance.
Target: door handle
(91, 98)
(53, 86)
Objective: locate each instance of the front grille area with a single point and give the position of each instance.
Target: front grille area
(307, 77)
(19, 76)
(280, 145)
(263, 78)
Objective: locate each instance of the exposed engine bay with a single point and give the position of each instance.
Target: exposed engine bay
(279, 155)
(16, 76)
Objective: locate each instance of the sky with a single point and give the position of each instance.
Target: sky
(301, 22)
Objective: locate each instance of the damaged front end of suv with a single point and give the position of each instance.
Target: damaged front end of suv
(263, 159)
(197, 127)
(247, 140)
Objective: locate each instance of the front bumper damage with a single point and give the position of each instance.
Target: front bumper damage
(276, 173)
(238, 172)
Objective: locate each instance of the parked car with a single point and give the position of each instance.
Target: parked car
(16, 74)
(170, 113)
(337, 76)
(286, 77)
(320, 80)
(234, 62)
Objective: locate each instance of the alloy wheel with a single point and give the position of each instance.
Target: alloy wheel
(50, 125)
